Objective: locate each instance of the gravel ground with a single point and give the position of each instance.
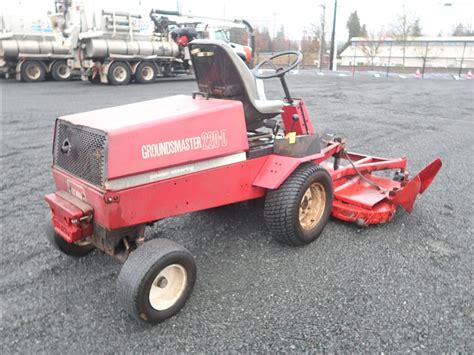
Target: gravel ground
(404, 286)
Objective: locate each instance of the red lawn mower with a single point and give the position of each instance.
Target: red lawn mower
(120, 169)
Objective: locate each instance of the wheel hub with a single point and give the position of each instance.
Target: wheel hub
(63, 71)
(147, 73)
(33, 72)
(120, 74)
(167, 287)
(312, 206)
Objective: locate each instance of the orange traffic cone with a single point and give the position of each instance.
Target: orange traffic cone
(417, 73)
(469, 74)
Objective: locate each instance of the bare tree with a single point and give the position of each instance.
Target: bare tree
(371, 46)
(422, 52)
(262, 40)
(463, 30)
(312, 39)
(401, 30)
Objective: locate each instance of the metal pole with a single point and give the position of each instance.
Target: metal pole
(389, 57)
(323, 29)
(424, 60)
(462, 59)
(354, 60)
(333, 38)
(274, 31)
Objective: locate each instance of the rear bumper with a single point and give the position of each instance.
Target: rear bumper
(71, 218)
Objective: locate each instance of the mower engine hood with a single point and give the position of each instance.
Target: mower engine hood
(148, 136)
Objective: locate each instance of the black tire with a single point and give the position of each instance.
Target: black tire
(119, 73)
(33, 71)
(282, 206)
(146, 73)
(76, 250)
(95, 79)
(141, 272)
(60, 71)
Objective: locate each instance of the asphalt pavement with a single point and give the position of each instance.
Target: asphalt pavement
(405, 286)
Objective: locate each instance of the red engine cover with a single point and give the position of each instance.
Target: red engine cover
(171, 131)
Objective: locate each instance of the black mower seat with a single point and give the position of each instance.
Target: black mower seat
(222, 74)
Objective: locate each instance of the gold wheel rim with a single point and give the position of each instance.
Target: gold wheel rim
(168, 287)
(312, 206)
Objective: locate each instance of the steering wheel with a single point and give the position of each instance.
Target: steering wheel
(279, 71)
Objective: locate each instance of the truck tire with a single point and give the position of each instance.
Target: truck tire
(32, 71)
(297, 212)
(146, 73)
(60, 71)
(76, 250)
(156, 280)
(119, 73)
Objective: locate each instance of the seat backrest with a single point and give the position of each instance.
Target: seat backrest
(221, 73)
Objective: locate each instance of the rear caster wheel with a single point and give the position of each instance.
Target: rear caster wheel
(156, 280)
(76, 250)
(297, 212)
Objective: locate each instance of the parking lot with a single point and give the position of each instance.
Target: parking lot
(403, 286)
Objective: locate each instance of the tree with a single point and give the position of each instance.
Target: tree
(262, 40)
(401, 30)
(371, 45)
(280, 42)
(461, 30)
(353, 25)
(422, 53)
(415, 28)
(310, 42)
(355, 30)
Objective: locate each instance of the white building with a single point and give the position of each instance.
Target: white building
(440, 52)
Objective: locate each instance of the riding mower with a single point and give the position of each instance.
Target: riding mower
(120, 169)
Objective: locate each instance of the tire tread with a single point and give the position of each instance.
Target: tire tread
(132, 277)
(279, 211)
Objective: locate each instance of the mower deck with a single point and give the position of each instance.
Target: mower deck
(365, 198)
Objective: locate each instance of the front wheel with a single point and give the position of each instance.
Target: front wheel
(76, 250)
(297, 212)
(156, 280)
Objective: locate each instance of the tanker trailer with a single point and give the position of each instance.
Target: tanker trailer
(117, 52)
(34, 57)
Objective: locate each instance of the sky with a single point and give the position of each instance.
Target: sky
(294, 15)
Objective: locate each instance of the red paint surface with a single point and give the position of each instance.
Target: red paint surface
(130, 127)
(303, 125)
(172, 197)
(63, 213)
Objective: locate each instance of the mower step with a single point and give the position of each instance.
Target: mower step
(71, 217)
